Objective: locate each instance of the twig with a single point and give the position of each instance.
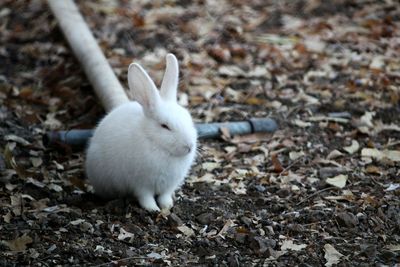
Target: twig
(124, 259)
(316, 193)
(290, 166)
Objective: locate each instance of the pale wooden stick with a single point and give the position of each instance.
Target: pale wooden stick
(89, 54)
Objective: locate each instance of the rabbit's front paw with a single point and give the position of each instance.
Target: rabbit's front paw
(148, 202)
(165, 201)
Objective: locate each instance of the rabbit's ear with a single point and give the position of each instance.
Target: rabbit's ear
(143, 88)
(170, 81)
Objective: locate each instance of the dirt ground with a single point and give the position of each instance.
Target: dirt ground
(323, 190)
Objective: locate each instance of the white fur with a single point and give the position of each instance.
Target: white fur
(130, 152)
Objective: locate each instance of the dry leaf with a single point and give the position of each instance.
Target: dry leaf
(352, 148)
(393, 155)
(325, 118)
(334, 154)
(18, 244)
(332, 256)
(288, 244)
(293, 155)
(7, 217)
(51, 122)
(366, 119)
(373, 169)
(377, 63)
(17, 139)
(210, 166)
(36, 162)
(124, 234)
(185, 230)
(338, 181)
(226, 135)
(228, 224)
(276, 163)
(392, 187)
(207, 178)
(394, 247)
(301, 123)
(154, 255)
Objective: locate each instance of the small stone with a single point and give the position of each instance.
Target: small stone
(387, 255)
(260, 188)
(233, 260)
(368, 250)
(347, 219)
(205, 218)
(283, 192)
(296, 228)
(331, 171)
(241, 237)
(174, 220)
(246, 220)
(261, 245)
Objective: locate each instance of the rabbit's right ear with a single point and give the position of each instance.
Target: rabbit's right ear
(170, 81)
(143, 88)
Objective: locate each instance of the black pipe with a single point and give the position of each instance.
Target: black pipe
(79, 138)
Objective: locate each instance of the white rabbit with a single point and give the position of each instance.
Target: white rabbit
(145, 148)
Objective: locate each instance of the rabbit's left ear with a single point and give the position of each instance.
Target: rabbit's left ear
(169, 85)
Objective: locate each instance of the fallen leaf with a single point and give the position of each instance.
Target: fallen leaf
(338, 181)
(254, 101)
(314, 44)
(154, 255)
(334, 154)
(210, 166)
(19, 244)
(185, 230)
(77, 222)
(124, 234)
(17, 139)
(231, 71)
(230, 149)
(35, 182)
(16, 204)
(293, 155)
(394, 247)
(366, 119)
(380, 126)
(206, 178)
(36, 162)
(288, 244)
(353, 147)
(373, 169)
(51, 122)
(377, 63)
(332, 256)
(239, 188)
(301, 123)
(276, 163)
(55, 187)
(325, 118)
(226, 135)
(7, 217)
(392, 187)
(393, 155)
(228, 224)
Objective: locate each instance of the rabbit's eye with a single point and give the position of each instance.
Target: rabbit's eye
(163, 125)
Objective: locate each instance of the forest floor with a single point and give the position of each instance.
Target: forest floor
(322, 190)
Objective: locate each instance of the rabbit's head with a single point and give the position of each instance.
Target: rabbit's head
(168, 125)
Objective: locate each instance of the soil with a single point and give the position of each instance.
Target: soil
(322, 190)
